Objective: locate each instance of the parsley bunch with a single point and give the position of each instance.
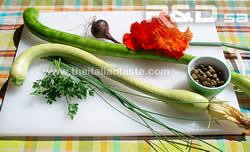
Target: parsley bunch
(56, 85)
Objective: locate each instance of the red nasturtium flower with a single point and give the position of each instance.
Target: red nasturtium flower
(158, 35)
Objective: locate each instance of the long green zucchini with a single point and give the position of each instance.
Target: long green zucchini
(181, 99)
(30, 17)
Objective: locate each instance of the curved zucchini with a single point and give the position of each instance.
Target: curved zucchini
(181, 99)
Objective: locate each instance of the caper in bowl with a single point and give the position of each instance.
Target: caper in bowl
(208, 75)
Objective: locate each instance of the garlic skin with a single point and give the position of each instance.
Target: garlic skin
(224, 111)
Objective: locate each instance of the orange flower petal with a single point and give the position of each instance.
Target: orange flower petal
(155, 36)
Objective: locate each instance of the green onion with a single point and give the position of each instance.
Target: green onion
(218, 44)
(144, 115)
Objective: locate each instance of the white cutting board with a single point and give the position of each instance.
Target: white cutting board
(26, 115)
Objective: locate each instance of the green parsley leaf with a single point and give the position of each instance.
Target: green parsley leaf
(56, 85)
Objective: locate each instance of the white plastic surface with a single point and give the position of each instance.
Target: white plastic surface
(27, 115)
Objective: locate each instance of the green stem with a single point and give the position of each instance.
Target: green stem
(218, 44)
(241, 82)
